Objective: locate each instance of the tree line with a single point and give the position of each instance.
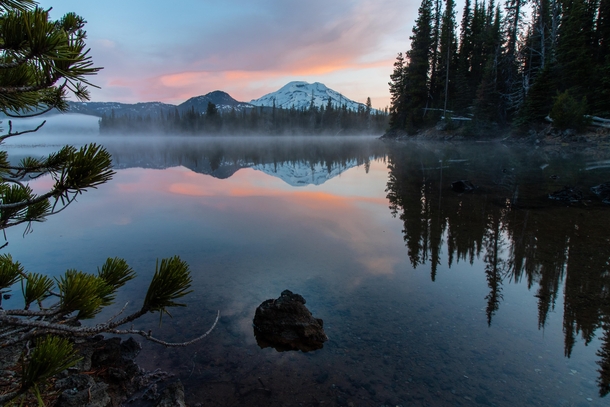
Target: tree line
(504, 67)
(323, 120)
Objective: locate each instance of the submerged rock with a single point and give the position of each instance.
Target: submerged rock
(82, 390)
(567, 194)
(107, 375)
(172, 396)
(287, 324)
(602, 191)
(463, 186)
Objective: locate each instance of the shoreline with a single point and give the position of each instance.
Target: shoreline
(547, 136)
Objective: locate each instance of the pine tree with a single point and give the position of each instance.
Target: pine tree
(601, 98)
(447, 64)
(418, 67)
(398, 108)
(538, 66)
(510, 84)
(435, 78)
(463, 97)
(489, 106)
(575, 48)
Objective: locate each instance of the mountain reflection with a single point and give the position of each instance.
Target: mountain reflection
(298, 161)
(509, 223)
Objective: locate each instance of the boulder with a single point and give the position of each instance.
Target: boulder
(286, 324)
(567, 194)
(462, 186)
(602, 191)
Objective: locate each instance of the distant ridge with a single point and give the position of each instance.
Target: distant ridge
(99, 109)
(299, 94)
(222, 100)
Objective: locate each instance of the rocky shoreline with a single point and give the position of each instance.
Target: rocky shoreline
(106, 376)
(546, 136)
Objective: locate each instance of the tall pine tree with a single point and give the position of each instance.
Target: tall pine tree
(398, 108)
(418, 68)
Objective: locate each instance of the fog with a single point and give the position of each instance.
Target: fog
(219, 156)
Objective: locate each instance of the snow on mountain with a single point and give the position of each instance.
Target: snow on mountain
(300, 174)
(299, 95)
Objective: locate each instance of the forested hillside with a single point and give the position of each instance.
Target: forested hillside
(329, 120)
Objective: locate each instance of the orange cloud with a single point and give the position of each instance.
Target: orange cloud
(189, 189)
(338, 215)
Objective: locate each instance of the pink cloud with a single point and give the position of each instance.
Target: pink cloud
(253, 52)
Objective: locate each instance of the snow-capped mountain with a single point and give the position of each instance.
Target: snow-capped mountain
(296, 94)
(299, 94)
(300, 174)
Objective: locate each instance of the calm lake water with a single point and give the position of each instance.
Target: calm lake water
(500, 297)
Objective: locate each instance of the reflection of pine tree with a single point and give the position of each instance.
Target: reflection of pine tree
(495, 265)
(538, 255)
(587, 288)
(603, 381)
(541, 248)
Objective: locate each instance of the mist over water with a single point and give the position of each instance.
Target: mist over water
(429, 296)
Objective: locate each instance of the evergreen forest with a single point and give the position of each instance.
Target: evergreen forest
(516, 64)
(323, 120)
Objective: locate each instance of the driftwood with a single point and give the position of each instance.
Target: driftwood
(595, 121)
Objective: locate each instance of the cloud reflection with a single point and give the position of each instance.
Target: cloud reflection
(338, 216)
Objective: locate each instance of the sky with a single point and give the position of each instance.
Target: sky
(151, 51)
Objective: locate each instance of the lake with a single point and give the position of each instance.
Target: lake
(429, 296)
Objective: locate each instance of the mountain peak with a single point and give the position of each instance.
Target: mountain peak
(221, 99)
(299, 94)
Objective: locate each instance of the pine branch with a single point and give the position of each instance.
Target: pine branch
(19, 133)
(38, 328)
(148, 335)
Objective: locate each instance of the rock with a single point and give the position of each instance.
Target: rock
(395, 134)
(462, 186)
(602, 191)
(82, 391)
(172, 396)
(286, 324)
(9, 357)
(567, 194)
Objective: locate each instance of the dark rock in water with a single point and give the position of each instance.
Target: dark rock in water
(567, 194)
(82, 390)
(172, 396)
(463, 186)
(112, 377)
(287, 324)
(602, 191)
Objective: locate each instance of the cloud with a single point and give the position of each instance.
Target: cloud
(153, 52)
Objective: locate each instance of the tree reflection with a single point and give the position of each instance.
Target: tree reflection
(510, 224)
